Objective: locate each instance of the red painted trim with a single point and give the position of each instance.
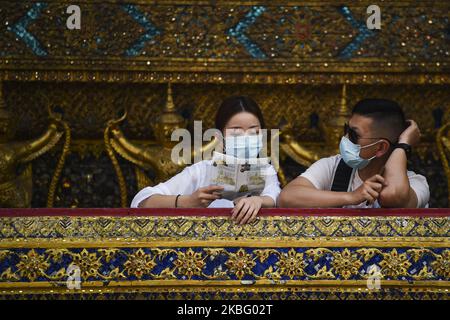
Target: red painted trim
(121, 212)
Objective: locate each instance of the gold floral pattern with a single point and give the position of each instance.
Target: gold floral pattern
(241, 263)
(156, 259)
(346, 264)
(3, 254)
(225, 264)
(32, 265)
(139, 264)
(88, 263)
(292, 264)
(442, 264)
(189, 263)
(394, 264)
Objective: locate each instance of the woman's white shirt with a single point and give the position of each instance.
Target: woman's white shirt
(197, 176)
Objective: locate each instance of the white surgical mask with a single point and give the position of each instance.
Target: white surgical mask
(350, 153)
(243, 146)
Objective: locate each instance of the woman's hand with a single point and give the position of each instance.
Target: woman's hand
(201, 198)
(246, 209)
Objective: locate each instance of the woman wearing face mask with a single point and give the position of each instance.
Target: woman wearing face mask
(240, 121)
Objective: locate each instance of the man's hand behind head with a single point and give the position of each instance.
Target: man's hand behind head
(411, 135)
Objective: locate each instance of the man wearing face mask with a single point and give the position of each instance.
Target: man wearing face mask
(371, 169)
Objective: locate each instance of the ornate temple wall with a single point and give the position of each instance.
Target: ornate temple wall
(294, 58)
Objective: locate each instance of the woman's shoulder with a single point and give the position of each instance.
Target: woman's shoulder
(202, 163)
(271, 169)
(198, 166)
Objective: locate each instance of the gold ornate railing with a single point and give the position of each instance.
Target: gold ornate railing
(202, 254)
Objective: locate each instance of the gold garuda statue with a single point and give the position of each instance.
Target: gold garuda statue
(443, 143)
(305, 154)
(16, 182)
(151, 155)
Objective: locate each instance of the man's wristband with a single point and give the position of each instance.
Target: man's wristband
(405, 147)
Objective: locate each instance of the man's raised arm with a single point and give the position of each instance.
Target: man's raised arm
(398, 192)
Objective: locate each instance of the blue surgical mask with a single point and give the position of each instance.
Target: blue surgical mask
(350, 153)
(243, 146)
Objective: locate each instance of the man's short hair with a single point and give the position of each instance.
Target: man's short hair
(388, 117)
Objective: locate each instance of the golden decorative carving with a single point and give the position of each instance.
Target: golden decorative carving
(202, 78)
(115, 163)
(15, 191)
(443, 144)
(154, 155)
(162, 254)
(60, 165)
(332, 129)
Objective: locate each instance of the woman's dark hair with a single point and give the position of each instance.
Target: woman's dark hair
(234, 105)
